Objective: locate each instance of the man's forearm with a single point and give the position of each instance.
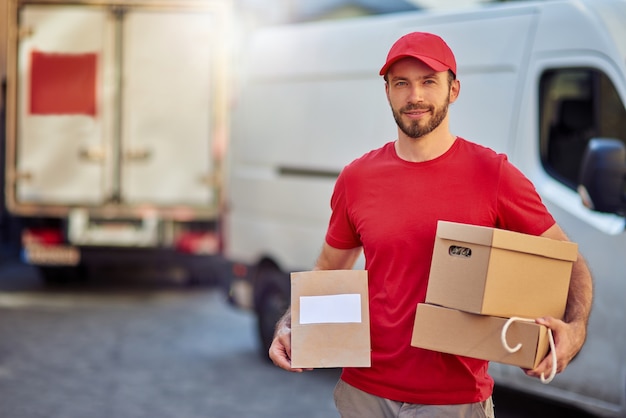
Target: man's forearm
(580, 294)
(283, 322)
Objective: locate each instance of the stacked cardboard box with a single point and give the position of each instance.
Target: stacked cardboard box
(482, 276)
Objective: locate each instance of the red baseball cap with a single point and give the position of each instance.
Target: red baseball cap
(426, 47)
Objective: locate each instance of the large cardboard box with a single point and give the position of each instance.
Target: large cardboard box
(499, 273)
(330, 324)
(478, 336)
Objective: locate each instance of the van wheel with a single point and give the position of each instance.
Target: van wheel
(273, 302)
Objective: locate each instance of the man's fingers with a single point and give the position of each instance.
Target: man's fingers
(559, 331)
(280, 351)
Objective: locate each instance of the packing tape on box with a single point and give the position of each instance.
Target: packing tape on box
(512, 350)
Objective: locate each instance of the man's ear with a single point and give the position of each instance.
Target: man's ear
(455, 89)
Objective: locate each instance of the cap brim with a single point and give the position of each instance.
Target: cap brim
(432, 63)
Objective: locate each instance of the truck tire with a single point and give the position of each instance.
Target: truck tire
(272, 302)
(62, 275)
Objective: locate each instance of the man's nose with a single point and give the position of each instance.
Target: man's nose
(416, 95)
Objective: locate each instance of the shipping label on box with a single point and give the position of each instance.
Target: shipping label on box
(330, 324)
(478, 336)
(500, 273)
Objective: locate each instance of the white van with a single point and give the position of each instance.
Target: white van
(539, 80)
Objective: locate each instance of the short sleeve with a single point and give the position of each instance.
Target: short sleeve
(520, 207)
(341, 232)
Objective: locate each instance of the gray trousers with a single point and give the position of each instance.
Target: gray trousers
(354, 403)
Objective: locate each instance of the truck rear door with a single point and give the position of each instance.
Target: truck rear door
(167, 126)
(65, 102)
(115, 105)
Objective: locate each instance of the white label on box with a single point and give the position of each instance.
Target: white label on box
(330, 309)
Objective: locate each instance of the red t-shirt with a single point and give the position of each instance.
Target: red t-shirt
(391, 208)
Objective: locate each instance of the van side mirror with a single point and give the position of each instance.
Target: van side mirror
(603, 175)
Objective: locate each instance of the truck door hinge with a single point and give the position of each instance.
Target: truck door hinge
(25, 32)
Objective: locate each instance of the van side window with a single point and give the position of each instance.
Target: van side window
(576, 104)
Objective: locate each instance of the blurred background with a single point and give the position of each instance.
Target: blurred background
(122, 291)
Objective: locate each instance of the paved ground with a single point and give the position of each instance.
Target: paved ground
(140, 351)
(124, 347)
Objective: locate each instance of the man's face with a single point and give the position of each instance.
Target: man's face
(419, 96)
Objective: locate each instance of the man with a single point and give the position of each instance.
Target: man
(387, 203)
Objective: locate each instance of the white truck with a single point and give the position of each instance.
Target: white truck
(116, 126)
(539, 81)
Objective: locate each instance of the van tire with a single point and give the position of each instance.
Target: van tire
(271, 304)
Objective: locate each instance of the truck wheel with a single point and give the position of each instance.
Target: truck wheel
(273, 302)
(61, 275)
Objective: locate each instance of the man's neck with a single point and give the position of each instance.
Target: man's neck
(425, 148)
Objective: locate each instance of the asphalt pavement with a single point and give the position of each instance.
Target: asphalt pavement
(127, 345)
(122, 350)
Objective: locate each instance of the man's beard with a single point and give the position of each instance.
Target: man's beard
(413, 129)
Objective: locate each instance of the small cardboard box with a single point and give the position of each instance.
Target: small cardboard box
(478, 336)
(330, 324)
(499, 273)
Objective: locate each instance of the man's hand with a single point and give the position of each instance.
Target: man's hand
(280, 350)
(568, 340)
(330, 258)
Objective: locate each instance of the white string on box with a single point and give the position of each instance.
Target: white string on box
(519, 345)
